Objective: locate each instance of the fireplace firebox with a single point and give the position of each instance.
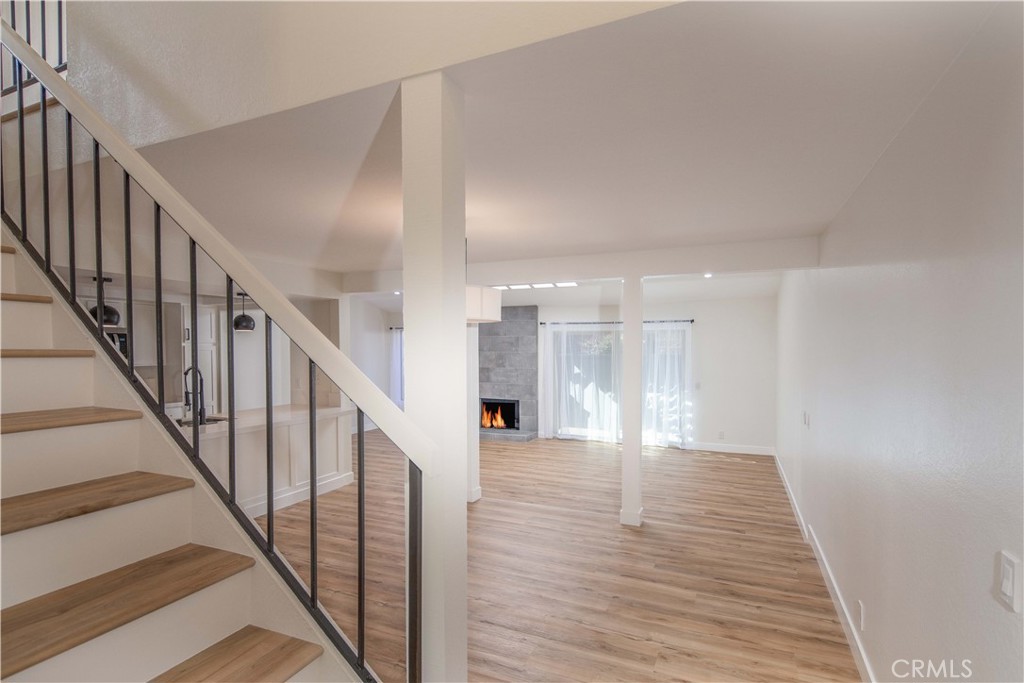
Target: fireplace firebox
(499, 413)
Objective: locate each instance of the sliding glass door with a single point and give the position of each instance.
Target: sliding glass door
(668, 404)
(586, 379)
(582, 382)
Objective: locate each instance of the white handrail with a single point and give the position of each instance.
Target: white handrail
(329, 358)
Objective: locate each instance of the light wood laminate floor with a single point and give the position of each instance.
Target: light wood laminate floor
(717, 585)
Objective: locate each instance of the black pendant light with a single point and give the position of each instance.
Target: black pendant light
(111, 316)
(243, 322)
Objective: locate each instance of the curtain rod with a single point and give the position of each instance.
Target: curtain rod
(617, 322)
(614, 322)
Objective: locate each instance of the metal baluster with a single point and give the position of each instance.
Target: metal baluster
(231, 387)
(129, 312)
(361, 536)
(159, 286)
(99, 234)
(28, 22)
(70, 153)
(60, 32)
(20, 86)
(42, 25)
(414, 624)
(312, 486)
(44, 142)
(268, 349)
(197, 395)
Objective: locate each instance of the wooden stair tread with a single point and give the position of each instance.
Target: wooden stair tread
(31, 420)
(47, 353)
(7, 249)
(40, 628)
(250, 654)
(64, 502)
(27, 298)
(28, 109)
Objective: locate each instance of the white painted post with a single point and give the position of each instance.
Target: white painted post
(474, 492)
(434, 255)
(632, 397)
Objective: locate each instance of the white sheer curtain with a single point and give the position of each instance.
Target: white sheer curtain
(584, 375)
(396, 378)
(668, 407)
(581, 389)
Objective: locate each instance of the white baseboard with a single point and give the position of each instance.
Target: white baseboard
(867, 673)
(792, 498)
(634, 518)
(731, 448)
(257, 505)
(845, 618)
(475, 494)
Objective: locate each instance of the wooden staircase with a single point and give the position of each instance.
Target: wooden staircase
(101, 577)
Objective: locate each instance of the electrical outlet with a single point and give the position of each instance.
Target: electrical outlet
(1007, 576)
(860, 616)
(721, 436)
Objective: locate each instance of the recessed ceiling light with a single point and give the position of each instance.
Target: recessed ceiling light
(500, 287)
(565, 284)
(543, 285)
(519, 286)
(707, 274)
(397, 293)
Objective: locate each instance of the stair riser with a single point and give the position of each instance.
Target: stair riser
(33, 461)
(42, 383)
(150, 645)
(76, 549)
(8, 282)
(311, 673)
(25, 325)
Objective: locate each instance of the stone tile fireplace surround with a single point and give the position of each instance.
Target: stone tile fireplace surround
(508, 368)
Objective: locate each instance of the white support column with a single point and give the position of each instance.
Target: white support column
(473, 492)
(632, 398)
(434, 255)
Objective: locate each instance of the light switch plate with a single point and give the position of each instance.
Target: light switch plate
(1007, 578)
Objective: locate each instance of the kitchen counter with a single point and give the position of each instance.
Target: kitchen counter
(256, 419)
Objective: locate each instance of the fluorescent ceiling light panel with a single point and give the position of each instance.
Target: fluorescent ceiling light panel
(519, 286)
(543, 285)
(500, 287)
(707, 274)
(565, 284)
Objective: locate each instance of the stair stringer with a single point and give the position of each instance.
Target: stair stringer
(272, 604)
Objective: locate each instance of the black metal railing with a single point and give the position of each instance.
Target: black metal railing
(141, 259)
(41, 23)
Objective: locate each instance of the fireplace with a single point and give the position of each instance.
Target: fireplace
(499, 413)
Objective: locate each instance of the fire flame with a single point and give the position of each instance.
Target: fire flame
(491, 420)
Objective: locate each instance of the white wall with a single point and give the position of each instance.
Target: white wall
(370, 342)
(250, 365)
(905, 349)
(734, 361)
